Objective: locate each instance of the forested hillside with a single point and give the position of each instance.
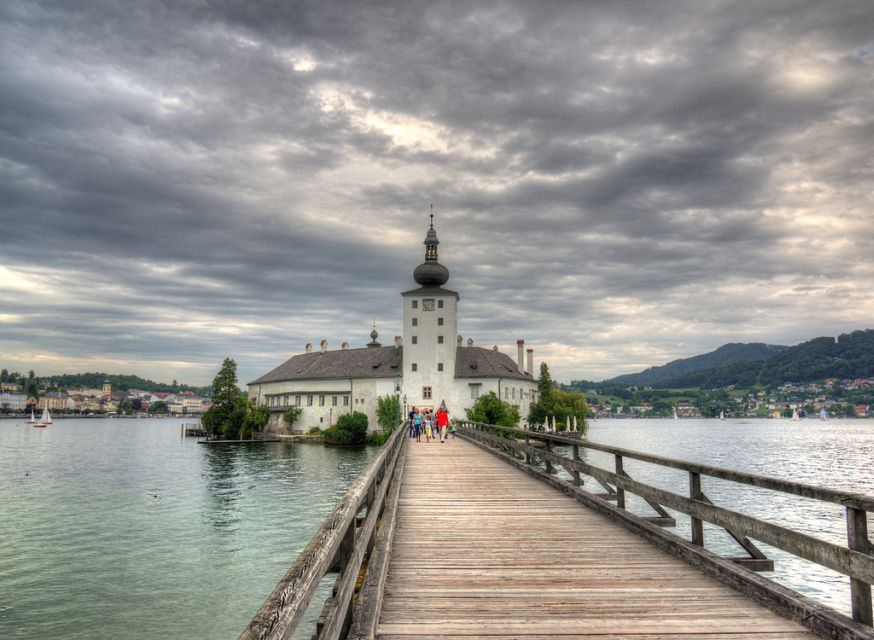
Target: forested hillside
(118, 382)
(724, 355)
(850, 356)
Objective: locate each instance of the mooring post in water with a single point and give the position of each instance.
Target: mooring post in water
(860, 591)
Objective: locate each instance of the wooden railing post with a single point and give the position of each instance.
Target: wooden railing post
(550, 469)
(527, 455)
(860, 591)
(577, 480)
(696, 494)
(620, 492)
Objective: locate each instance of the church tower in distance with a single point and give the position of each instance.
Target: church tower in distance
(430, 330)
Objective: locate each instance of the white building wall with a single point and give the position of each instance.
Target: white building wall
(427, 352)
(321, 401)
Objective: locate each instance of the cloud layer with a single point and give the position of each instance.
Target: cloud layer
(619, 184)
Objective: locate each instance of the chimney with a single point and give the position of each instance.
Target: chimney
(399, 341)
(531, 361)
(470, 342)
(324, 345)
(520, 346)
(495, 348)
(344, 346)
(309, 347)
(460, 341)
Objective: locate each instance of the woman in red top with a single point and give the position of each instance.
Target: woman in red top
(442, 422)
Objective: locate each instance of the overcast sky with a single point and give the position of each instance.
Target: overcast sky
(618, 183)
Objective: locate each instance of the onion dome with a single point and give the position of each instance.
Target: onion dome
(373, 337)
(431, 273)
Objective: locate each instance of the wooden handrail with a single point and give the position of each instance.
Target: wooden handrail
(340, 542)
(843, 498)
(854, 560)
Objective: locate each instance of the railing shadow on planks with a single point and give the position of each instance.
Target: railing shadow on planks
(855, 560)
(354, 539)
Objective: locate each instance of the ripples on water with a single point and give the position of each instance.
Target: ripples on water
(838, 454)
(120, 528)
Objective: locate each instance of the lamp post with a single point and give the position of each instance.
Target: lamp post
(398, 396)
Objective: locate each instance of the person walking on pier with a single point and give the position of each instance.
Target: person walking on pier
(412, 418)
(428, 427)
(442, 422)
(417, 421)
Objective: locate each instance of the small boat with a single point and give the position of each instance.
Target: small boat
(32, 419)
(675, 416)
(722, 415)
(45, 420)
(823, 414)
(795, 415)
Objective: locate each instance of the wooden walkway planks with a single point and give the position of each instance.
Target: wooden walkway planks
(484, 550)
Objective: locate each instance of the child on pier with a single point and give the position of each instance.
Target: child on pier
(428, 427)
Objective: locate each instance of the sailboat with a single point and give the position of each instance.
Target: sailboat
(45, 420)
(722, 415)
(32, 419)
(675, 416)
(823, 414)
(795, 415)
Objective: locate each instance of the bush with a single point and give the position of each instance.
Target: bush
(378, 438)
(315, 431)
(350, 429)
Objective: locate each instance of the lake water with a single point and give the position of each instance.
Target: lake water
(120, 528)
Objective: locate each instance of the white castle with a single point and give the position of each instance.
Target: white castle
(428, 366)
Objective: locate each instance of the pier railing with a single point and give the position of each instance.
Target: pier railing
(352, 541)
(854, 560)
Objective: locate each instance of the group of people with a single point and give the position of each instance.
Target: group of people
(430, 424)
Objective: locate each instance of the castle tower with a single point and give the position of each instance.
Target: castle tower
(107, 388)
(430, 330)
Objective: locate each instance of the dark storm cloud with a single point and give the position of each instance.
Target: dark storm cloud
(619, 183)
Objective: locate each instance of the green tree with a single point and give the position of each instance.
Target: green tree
(256, 419)
(567, 405)
(490, 409)
(125, 407)
(4, 375)
(160, 407)
(291, 415)
(227, 415)
(388, 412)
(545, 405)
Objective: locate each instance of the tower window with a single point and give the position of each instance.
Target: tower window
(415, 339)
(439, 366)
(415, 304)
(426, 393)
(439, 304)
(439, 322)
(415, 322)
(415, 367)
(439, 339)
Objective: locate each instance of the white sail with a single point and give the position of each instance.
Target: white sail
(722, 415)
(823, 414)
(32, 419)
(675, 414)
(46, 418)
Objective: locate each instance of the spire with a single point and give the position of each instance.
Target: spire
(373, 336)
(431, 273)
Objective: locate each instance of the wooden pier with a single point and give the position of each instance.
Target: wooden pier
(470, 539)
